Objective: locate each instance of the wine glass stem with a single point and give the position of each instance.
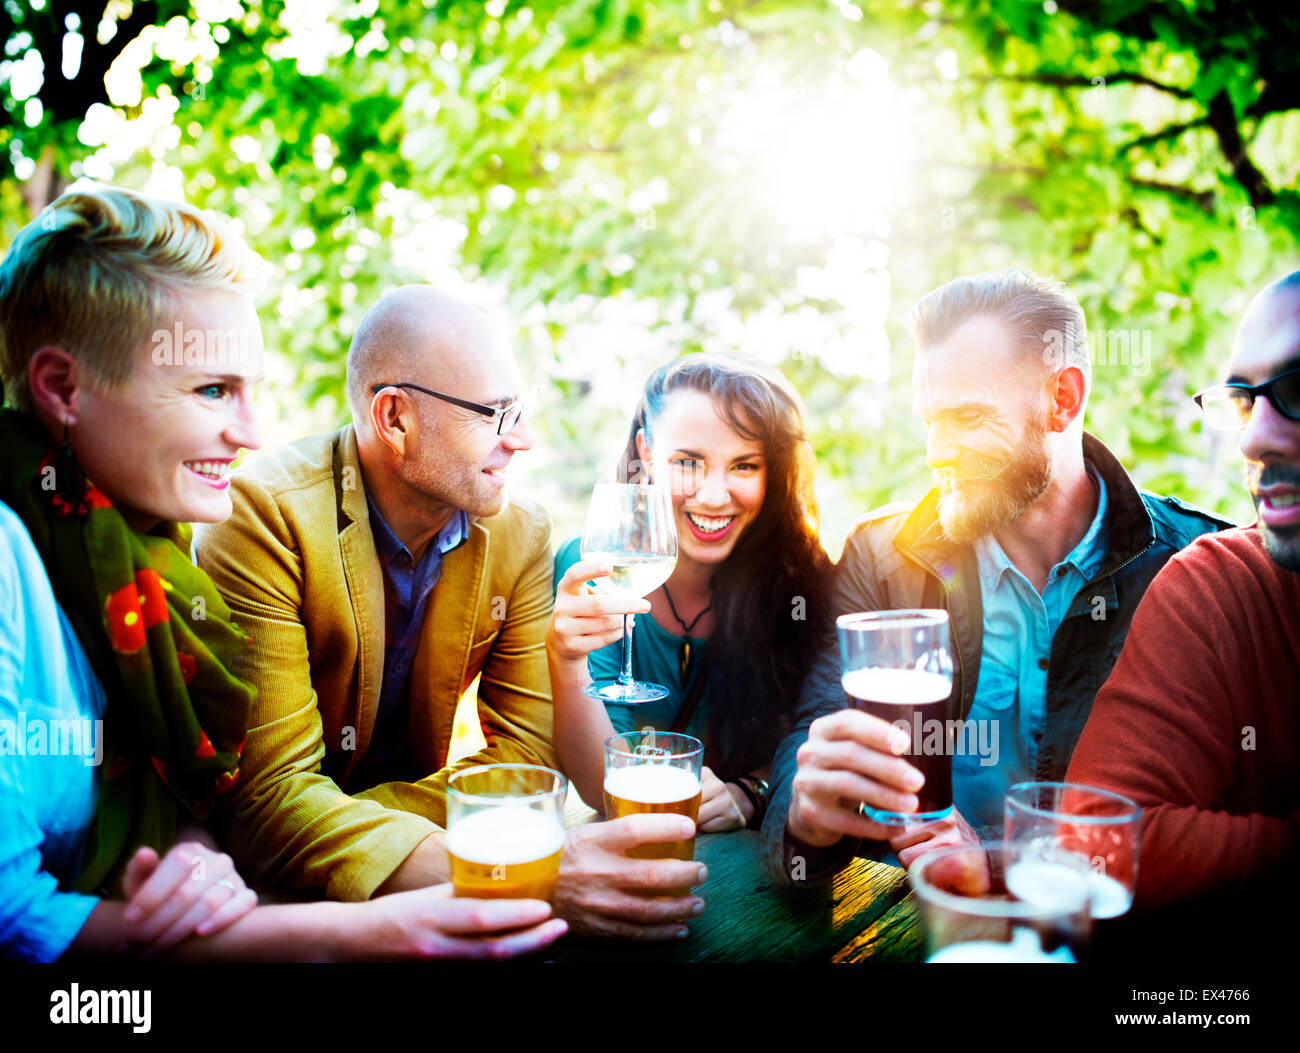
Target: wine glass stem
(625, 677)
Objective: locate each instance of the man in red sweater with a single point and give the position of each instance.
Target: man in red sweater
(1199, 721)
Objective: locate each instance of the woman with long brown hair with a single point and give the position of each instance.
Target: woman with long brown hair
(732, 632)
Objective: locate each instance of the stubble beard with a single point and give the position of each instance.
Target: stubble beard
(1282, 548)
(466, 490)
(990, 495)
(480, 498)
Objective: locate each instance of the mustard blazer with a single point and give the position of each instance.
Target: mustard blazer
(297, 564)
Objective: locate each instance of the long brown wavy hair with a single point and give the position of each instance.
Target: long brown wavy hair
(769, 595)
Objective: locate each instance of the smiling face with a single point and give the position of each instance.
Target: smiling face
(987, 434)
(1268, 343)
(160, 445)
(458, 459)
(718, 477)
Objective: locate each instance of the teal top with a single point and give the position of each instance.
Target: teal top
(654, 658)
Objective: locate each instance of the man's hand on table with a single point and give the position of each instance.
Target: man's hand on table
(916, 839)
(429, 923)
(603, 893)
(851, 758)
(963, 873)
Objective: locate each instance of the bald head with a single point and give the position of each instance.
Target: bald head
(1276, 303)
(1268, 339)
(426, 452)
(416, 334)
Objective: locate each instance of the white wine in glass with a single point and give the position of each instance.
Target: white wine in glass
(635, 574)
(631, 527)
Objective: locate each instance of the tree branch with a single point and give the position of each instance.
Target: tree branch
(1202, 198)
(1071, 80)
(1171, 132)
(1223, 120)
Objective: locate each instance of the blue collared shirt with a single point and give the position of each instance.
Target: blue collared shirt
(407, 588)
(1011, 693)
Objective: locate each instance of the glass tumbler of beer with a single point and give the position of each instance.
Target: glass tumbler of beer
(655, 771)
(896, 665)
(1103, 827)
(505, 831)
(986, 902)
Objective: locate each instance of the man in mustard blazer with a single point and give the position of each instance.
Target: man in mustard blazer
(379, 570)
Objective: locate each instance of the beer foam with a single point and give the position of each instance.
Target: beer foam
(900, 687)
(1110, 898)
(651, 783)
(505, 834)
(1047, 885)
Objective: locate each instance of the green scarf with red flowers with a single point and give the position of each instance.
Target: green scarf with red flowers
(160, 639)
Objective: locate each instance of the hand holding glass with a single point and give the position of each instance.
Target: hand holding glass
(896, 666)
(631, 527)
(655, 771)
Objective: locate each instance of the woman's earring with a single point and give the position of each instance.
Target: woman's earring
(69, 479)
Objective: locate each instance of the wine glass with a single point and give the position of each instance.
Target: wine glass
(631, 527)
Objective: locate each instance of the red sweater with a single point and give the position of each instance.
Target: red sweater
(1200, 722)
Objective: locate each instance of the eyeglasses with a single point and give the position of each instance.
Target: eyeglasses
(505, 417)
(1228, 406)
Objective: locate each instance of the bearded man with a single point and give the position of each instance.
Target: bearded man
(1035, 541)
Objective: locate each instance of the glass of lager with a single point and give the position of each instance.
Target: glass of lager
(988, 903)
(505, 831)
(655, 771)
(896, 665)
(1103, 827)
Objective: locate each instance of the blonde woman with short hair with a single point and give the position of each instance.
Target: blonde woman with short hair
(130, 347)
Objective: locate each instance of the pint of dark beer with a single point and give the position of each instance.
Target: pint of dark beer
(896, 665)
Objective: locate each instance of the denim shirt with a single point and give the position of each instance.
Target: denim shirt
(407, 588)
(1011, 694)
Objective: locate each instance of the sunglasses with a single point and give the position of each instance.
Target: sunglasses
(1228, 406)
(505, 417)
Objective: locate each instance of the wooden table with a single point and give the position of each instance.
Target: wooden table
(866, 913)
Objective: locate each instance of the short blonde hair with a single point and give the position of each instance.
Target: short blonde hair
(95, 272)
(1043, 315)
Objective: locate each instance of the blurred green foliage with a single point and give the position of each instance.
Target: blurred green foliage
(621, 179)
